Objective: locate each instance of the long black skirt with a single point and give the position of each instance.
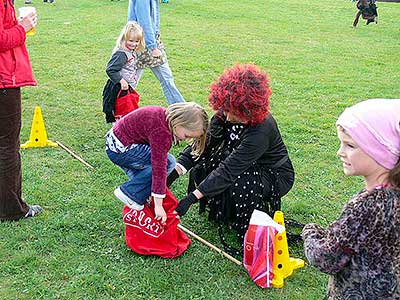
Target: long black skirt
(257, 188)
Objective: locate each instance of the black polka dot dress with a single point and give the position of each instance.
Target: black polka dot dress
(243, 168)
(236, 204)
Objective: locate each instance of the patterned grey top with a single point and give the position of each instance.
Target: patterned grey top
(361, 250)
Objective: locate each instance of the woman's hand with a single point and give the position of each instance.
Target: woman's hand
(29, 21)
(159, 211)
(156, 52)
(185, 203)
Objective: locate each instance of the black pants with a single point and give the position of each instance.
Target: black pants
(12, 207)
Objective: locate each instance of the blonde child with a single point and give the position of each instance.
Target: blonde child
(121, 68)
(361, 250)
(139, 144)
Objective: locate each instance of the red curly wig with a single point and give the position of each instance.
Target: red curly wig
(244, 91)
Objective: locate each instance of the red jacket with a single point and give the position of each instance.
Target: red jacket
(15, 67)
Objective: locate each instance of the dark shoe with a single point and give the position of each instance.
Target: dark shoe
(33, 211)
(28, 2)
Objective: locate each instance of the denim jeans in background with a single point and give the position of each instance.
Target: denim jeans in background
(164, 75)
(147, 14)
(136, 163)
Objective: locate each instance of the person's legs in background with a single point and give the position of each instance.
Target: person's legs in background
(164, 75)
(131, 11)
(12, 207)
(139, 75)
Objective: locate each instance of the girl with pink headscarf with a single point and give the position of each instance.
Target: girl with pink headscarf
(361, 250)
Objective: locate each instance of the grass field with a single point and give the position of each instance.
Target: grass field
(318, 64)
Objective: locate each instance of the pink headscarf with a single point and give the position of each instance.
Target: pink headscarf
(375, 126)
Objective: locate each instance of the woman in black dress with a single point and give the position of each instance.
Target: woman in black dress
(246, 165)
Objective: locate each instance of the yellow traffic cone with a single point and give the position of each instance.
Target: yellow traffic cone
(283, 265)
(38, 137)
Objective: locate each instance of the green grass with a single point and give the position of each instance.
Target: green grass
(318, 65)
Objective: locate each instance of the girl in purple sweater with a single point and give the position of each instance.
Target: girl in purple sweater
(139, 144)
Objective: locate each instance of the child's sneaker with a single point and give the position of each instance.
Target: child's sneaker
(126, 200)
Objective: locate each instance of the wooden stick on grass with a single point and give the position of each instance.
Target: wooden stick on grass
(74, 155)
(231, 258)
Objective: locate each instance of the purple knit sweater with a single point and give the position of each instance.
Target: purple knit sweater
(148, 125)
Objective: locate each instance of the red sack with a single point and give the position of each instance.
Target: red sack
(147, 236)
(259, 248)
(127, 101)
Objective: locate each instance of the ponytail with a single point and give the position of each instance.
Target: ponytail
(394, 176)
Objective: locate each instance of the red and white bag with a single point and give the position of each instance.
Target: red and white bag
(147, 236)
(259, 248)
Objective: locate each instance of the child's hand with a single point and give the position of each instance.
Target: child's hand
(156, 52)
(124, 84)
(159, 211)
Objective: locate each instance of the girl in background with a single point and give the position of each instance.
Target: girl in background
(139, 144)
(361, 250)
(121, 69)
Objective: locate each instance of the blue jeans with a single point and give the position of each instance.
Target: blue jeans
(166, 79)
(137, 165)
(147, 14)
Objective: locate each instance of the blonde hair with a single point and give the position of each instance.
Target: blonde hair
(394, 176)
(130, 27)
(191, 116)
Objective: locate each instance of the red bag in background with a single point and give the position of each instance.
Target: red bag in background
(259, 248)
(127, 101)
(147, 236)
